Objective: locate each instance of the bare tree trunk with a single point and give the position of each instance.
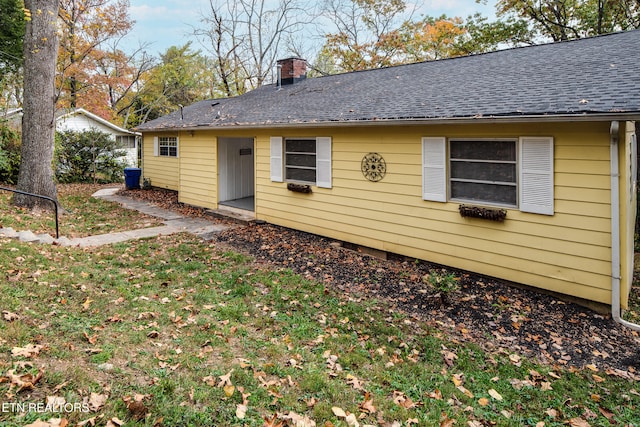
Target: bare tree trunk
(38, 122)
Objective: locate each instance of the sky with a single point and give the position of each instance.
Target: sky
(165, 23)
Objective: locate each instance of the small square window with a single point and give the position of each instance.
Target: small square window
(168, 146)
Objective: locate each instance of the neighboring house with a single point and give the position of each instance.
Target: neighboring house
(518, 164)
(12, 118)
(79, 120)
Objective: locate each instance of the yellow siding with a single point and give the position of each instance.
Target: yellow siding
(198, 169)
(568, 252)
(162, 171)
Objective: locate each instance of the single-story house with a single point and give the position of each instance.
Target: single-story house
(518, 164)
(79, 120)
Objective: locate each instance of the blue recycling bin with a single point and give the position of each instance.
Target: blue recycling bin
(132, 178)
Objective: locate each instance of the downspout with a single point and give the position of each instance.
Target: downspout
(615, 229)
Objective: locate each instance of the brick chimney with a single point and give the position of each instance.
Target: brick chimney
(292, 70)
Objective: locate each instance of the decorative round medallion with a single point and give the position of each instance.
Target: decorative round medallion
(373, 167)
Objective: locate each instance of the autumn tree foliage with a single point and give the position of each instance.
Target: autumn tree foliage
(382, 33)
(571, 19)
(92, 71)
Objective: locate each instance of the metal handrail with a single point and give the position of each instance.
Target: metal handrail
(55, 203)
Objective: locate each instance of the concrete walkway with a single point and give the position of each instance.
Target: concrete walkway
(173, 223)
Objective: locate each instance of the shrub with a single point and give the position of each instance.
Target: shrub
(9, 155)
(88, 156)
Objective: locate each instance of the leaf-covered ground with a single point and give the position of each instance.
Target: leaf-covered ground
(80, 214)
(177, 331)
(498, 316)
(490, 312)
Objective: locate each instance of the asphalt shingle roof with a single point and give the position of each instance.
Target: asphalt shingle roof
(599, 75)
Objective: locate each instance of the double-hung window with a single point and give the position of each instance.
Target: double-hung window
(301, 160)
(165, 146)
(514, 173)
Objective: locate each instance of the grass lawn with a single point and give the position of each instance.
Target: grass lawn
(81, 215)
(175, 331)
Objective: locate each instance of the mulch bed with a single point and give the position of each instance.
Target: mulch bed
(494, 314)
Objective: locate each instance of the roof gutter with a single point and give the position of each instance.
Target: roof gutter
(615, 229)
(597, 117)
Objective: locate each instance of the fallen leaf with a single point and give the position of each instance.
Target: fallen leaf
(23, 382)
(401, 399)
(135, 405)
(436, 394)
(225, 379)
(272, 422)
(352, 421)
(299, 420)
(449, 357)
(87, 303)
(495, 395)
(53, 422)
(97, 401)
(506, 414)
(228, 390)
(457, 379)
(241, 411)
(9, 316)
(515, 359)
(578, 422)
(597, 378)
(114, 422)
(606, 413)
(338, 412)
(483, 401)
(354, 382)
(465, 391)
(367, 405)
(92, 339)
(29, 350)
(445, 421)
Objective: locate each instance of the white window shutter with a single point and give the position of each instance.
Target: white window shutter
(434, 169)
(276, 159)
(536, 175)
(323, 162)
(156, 146)
(177, 146)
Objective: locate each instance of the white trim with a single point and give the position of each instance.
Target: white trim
(536, 186)
(96, 118)
(156, 146)
(434, 169)
(323, 162)
(276, 157)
